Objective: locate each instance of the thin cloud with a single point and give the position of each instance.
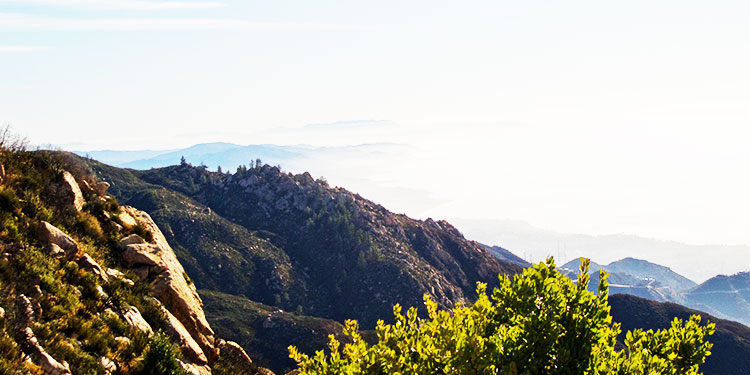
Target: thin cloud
(118, 4)
(30, 22)
(20, 49)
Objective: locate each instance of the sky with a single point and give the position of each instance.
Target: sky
(590, 117)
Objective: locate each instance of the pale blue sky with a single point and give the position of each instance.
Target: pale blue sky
(581, 116)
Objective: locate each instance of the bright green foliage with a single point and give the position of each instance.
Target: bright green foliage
(161, 357)
(541, 323)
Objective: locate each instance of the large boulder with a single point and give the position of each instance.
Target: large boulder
(232, 356)
(88, 263)
(51, 235)
(195, 369)
(134, 318)
(69, 193)
(170, 285)
(101, 187)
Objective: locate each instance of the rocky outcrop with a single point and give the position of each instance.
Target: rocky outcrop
(49, 234)
(88, 263)
(101, 188)
(134, 318)
(127, 220)
(194, 369)
(108, 365)
(187, 344)
(113, 273)
(157, 260)
(233, 355)
(29, 343)
(69, 193)
(31, 347)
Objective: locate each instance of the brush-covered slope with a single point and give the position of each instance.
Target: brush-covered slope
(730, 353)
(267, 331)
(91, 287)
(340, 256)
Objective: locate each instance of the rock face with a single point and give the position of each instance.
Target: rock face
(187, 344)
(170, 286)
(101, 187)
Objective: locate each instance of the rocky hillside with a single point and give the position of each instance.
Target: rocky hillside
(89, 286)
(333, 253)
(293, 243)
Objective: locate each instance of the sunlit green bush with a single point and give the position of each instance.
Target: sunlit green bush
(541, 323)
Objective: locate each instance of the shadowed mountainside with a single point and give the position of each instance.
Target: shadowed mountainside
(730, 353)
(266, 239)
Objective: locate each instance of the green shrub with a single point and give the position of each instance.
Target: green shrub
(88, 225)
(542, 323)
(142, 231)
(9, 201)
(161, 357)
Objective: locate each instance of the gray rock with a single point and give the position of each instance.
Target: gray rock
(51, 235)
(49, 365)
(70, 193)
(232, 353)
(101, 187)
(24, 311)
(132, 239)
(134, 318)
(54, 250)
(109, 365)
(115, 274)
(189, 347)
(122, 341)
(88, 263)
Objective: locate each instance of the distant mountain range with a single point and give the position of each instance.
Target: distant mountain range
(282, 259)
(640, 270)
(727, 297)
(724, 296)
(696, 262)
(229, 156)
